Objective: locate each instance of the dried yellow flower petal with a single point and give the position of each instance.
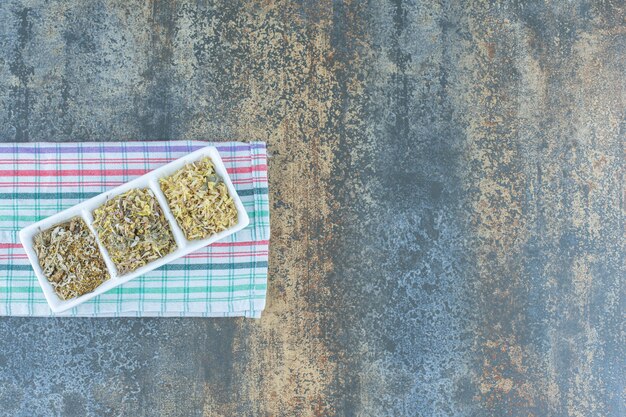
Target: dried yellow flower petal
(199, 200)
(70, 258)
(133, 229)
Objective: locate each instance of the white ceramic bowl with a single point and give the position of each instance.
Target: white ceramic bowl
(84, 210)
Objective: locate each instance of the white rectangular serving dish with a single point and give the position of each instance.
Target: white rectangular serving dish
(149, 180)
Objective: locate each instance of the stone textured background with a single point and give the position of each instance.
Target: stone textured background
(447, 191)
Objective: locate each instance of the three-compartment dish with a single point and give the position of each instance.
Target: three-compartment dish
(106, 241)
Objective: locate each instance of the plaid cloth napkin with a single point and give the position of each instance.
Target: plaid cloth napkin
(226, 279)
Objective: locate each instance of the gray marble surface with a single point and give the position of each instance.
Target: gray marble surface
(447, 195)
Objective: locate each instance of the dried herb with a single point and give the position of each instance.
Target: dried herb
(199, 200)
(70, 258)
(133, 229)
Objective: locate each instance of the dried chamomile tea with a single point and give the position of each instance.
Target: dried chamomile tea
(133, 229)
(199, 200)
(70, 258)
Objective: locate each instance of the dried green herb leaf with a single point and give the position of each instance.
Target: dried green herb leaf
(199, 200)
(70, 258)
(133, 229)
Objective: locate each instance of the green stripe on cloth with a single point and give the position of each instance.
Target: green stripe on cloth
(170, 267)
(174, 290)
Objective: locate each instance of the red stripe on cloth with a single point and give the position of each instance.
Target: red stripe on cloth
(69, 172)
(90, 184)
(103, 172)
(216, 244)
(225, 159)
(225, 254)
(191, 255)
(10, 245)
(251, 243)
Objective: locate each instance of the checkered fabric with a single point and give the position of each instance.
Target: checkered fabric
(225, 279)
